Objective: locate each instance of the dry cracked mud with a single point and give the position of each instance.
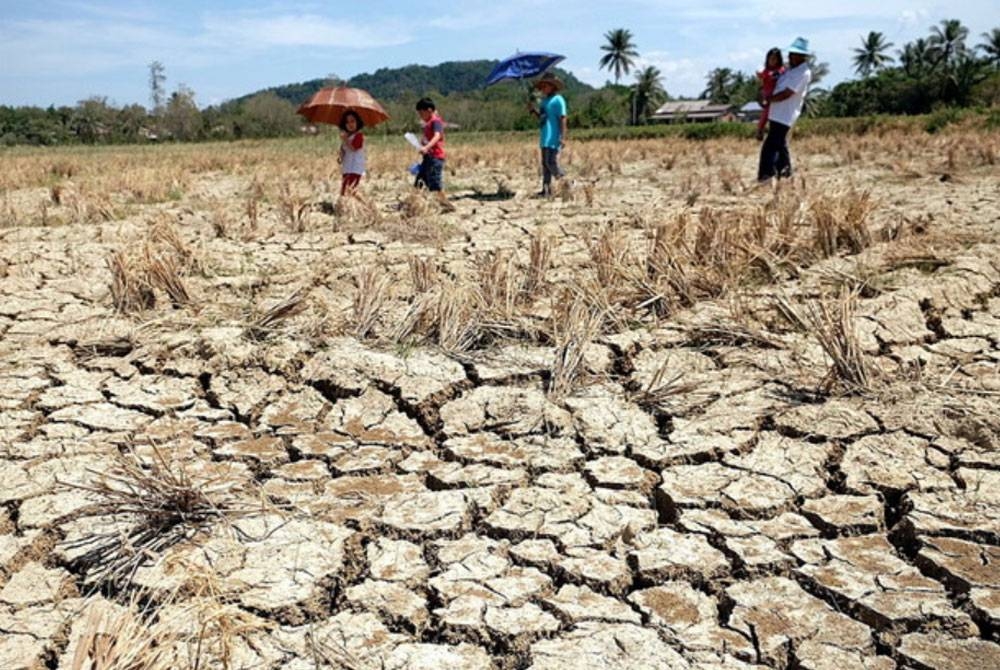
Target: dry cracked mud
(698, 498)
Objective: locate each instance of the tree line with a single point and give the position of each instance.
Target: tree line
(941, 69)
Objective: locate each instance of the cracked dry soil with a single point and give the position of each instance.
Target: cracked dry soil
(402, 505)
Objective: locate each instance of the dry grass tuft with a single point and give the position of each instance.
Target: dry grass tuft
(500, 284)
(539, 263)
(504, 190)
(128, 639)
(165, 235)
(566, 191)
(832, 323)
(418, 319)
(690, 261)
(456, 323)
(252, 207)
(172, 634)
(294, 207)
(157, 505)
(731, 181)
(163, 271)
(130, 290)
(608, 253)
(330, 652)
(358, 209)
(159, 263)
(841, 222)
(575, 324)
(369, 299)
(424, 273)
(265, 322)
(220, 221)
(658, 392)
(415, 204)
(729, 335)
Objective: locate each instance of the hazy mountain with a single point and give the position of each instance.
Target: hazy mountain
(393, 83)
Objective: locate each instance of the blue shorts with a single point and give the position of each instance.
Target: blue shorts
(431, 173)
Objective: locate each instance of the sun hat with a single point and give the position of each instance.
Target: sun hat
(551, 79)
(800, 46)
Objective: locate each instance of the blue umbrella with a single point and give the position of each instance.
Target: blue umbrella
(522, 66)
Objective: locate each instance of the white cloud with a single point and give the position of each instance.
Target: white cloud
(681, 75)
(300, 30)
(590, 75)
(137, 10)
(913, 18)
(39, 48)
(68, 47)
(460, 16)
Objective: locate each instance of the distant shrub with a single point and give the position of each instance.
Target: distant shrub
(859, 125)
(939, 119)
(993, 120)
(691, 131)
(708, 131)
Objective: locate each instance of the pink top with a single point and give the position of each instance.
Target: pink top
(768, 80)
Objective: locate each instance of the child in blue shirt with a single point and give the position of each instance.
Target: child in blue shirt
(552, 114)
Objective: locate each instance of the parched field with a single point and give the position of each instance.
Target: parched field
(665, 420)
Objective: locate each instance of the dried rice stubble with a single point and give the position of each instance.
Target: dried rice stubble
(265, 323)
(658, 392)
(841, 222)
(153, 503)
(425, 273)
(415, 204)
(539, 263)
(187, 628)
(832, 322)
(457, 321)
(130, 289)
(575, 324)
(164, 272)
(372, 285)
(357, 209)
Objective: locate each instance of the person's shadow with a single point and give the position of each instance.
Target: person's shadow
(503, 192)
(479, 196)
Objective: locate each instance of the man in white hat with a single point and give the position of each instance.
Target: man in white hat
(785, 107)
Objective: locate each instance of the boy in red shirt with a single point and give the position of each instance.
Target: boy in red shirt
(431, 174)
(773, 68)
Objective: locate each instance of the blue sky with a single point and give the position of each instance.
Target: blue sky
(62, 51)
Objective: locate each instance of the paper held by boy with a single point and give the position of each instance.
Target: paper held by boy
(412, 139)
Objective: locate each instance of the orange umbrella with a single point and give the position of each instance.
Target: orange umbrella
(329, 104)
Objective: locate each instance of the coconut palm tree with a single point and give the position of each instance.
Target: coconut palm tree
(816, 102)
(819, 70)
(916, 57)
(963, 76)
(648, 92)
(620, 53)
(991, 46)
(719, 85)
(871, 56)
(948, 41)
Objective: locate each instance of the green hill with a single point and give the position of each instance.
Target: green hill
(405, 82)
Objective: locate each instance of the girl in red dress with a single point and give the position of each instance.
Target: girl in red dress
(773, 68)
(352, 152)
